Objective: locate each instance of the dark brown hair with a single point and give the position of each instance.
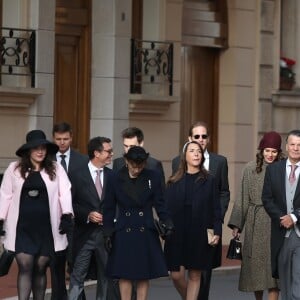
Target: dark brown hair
(62, 128)
(25, 165)
(132, 132)
(260, 159)
(183, 165)
(96, 144)
(198, 124)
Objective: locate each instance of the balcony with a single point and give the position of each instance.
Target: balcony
(151, 78)
(17, 73)
(17, 47)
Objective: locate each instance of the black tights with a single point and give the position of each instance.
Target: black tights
(32, 276)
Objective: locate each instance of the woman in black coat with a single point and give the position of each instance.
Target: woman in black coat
(132, 241)
(192, 199)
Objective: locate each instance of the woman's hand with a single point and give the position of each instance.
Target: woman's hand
(215, 240)
(236, 232)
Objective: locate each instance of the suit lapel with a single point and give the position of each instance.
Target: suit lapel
(105, 175)
(296, 200)
(71, 162)
(213, 165)
(281, 179)
(90, 185)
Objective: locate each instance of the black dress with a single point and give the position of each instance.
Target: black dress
(185, 249)
(34, 234)
(191, 202)
(188, 238)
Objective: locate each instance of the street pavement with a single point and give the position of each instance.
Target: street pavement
(224, 286)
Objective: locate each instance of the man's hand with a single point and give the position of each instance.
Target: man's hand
(286, 222)
(96, 217)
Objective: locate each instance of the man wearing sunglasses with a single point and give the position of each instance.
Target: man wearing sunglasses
(217, 166)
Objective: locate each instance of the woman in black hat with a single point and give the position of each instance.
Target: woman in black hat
(35, 193)
(133, 241)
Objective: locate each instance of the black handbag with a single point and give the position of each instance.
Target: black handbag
(6, 260)
(234, 249)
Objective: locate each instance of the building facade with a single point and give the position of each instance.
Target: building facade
(224, 69)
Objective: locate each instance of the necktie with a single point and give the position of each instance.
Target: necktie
(98, 183)
(63, 162)
(292, 177)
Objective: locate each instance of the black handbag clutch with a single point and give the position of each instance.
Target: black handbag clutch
(234, 249)
(6, 260)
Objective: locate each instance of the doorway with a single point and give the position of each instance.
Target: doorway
(199, 88)
(72, 83)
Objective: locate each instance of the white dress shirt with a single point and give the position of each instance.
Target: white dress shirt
(93, 170)
(67, 157)
(206, 161)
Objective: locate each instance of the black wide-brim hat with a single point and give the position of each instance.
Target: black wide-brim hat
(35, 138)
(136, 154)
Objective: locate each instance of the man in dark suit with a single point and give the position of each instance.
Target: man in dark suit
(134, 136)
(88, 189)
(281, 199)
(62, 137)
(217, 166)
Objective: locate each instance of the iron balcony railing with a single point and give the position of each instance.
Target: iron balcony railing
(17, 48)
(151, 64)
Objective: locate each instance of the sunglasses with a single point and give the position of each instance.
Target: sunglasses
(197, 136)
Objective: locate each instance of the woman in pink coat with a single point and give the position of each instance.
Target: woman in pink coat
(35, 212)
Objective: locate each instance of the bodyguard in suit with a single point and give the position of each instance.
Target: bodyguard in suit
(218, 167)
(134, 136)
(70, 159)
(281, 199)
(62, 137)
(88, 189)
